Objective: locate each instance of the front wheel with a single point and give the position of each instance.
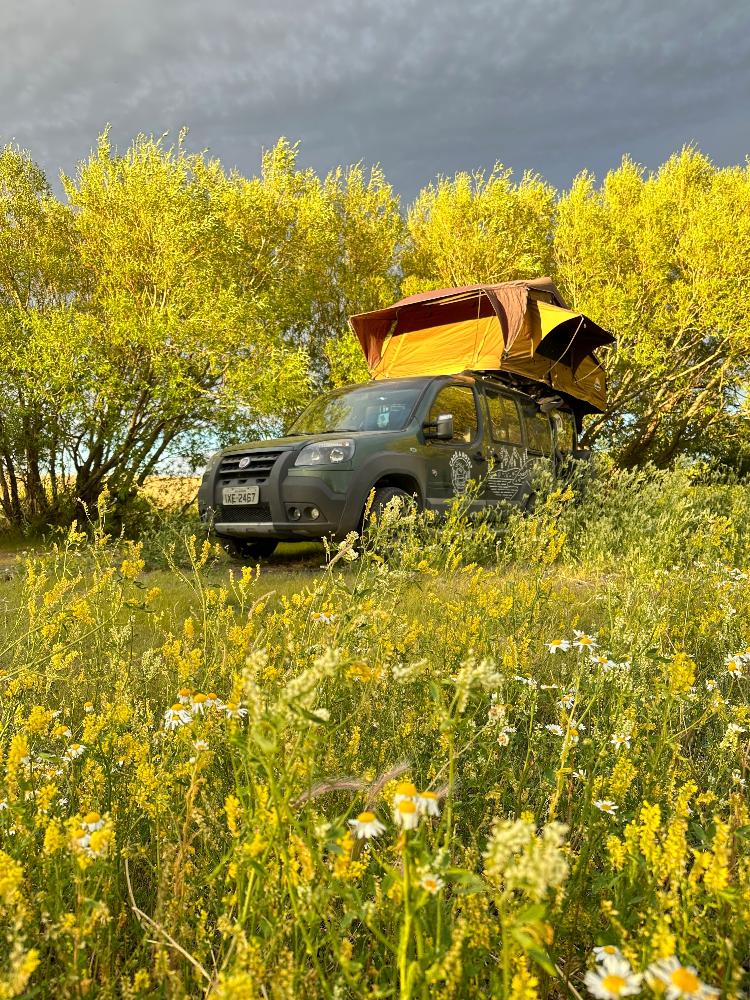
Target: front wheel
(245, 551)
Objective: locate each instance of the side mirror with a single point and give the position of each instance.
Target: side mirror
(441, 429)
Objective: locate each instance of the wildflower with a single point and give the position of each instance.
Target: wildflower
(427, 803)
(92, 821)
(574, 731)
(613, 979)
(404, 790)
(680, 980)
(620, 740)
(555, 729)
(711, 685)
(235, 711)
(213, 701)
(201, 746)
(406, 814)
(580, 775)
(602, 660)
(176, 716)
(61, 731)
(606, 806)
(738, 779)
(734, 666)
(528, 681)
(503, 737)
(558, 644)
(88, 706)
(74, 751)
(184, 696)
(604, 951)
(568, 700)
(431, 883)
(323, 619)
(584, 641)
(366, 825)
(198, 703)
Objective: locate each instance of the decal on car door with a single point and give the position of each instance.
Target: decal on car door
(512, 470)
(460, 471)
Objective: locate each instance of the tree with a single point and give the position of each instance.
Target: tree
(663, 260)
(475, 228)
(160, 333)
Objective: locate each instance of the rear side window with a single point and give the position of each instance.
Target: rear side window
(538, 433)
(565, 432)
(505, 420)
(458, 400)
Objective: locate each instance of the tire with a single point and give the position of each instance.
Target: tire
(243, 551)
(382, 497)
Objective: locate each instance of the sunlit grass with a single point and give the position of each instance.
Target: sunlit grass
(453, 763)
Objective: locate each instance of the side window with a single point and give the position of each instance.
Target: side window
(565, 431)
(538, 433)
(458, 400)
(505, 420)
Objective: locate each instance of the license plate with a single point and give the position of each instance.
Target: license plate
(240, 495)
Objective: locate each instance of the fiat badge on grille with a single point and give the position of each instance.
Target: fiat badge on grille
(244, 462)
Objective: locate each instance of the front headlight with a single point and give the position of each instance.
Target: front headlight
(326, 452)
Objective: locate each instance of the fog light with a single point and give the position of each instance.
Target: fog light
(314, 513)
(294, 513)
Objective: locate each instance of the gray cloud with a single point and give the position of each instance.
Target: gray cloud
(423, 88)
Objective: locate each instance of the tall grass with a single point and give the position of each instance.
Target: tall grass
(448, 765)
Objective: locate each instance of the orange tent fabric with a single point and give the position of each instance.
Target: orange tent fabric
(517, 326)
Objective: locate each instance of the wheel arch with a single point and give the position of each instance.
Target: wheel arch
(400, 480)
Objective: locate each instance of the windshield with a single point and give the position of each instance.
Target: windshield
(369, 407)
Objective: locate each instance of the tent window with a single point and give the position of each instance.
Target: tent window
(504, 419)
(538, 434)
(459, 401)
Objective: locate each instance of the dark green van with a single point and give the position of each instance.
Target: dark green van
(425, 437)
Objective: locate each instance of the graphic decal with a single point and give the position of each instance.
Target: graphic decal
(460, 471)
(513, 468)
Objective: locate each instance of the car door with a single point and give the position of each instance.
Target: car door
(538, 441)
(509, 476)
(452, 465)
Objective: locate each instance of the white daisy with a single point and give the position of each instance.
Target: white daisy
(680, 980)
(427, 803)
(432, 883)
(620, 740)
(198, 703)
(503, 737)
(176, 716)
(561, 645)
(92, 821)
(74, 751)
(584, 641)
(406, 814)
(606, 806)
(734, 665)
(235, 711)
(612, 979)
(184, 695)
(404, 790)
(604, 951)
(366, 825)
(555, 729)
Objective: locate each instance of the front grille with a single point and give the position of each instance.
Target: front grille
(258, 469)
(257, 513)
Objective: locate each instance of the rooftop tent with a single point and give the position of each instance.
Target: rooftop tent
(517, 326)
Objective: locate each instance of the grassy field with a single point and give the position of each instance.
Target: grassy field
(472, 760)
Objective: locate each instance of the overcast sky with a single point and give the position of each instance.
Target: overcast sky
(421, 87)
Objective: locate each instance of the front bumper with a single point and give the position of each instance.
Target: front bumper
(271, 517)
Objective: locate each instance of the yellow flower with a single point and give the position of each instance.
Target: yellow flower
(11, 877)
